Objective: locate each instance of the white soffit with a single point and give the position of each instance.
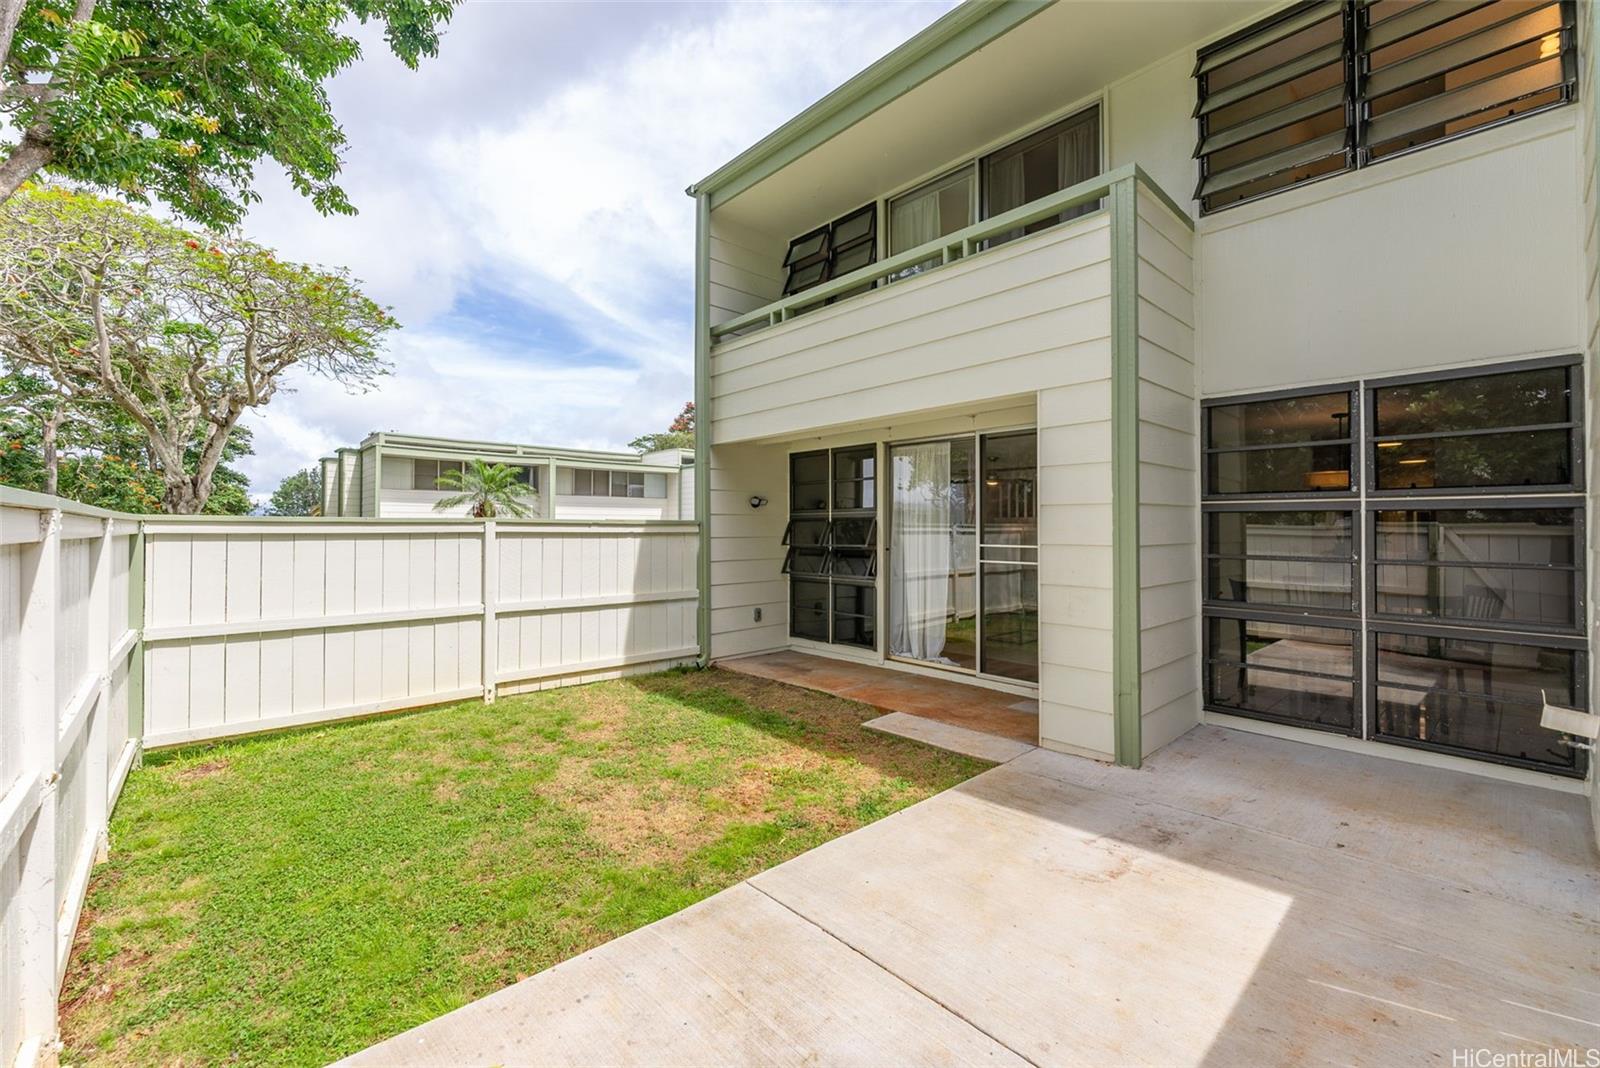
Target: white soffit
(1070, 51)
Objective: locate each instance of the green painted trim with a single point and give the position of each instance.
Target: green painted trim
(946, 42)
(1155, 190)
(377, 480)
(136, 624)
(338, 483)
(954, 248)
(702, 418)
(1125, 613)
(454, 448)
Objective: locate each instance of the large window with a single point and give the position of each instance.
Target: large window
(1049, 161)
(1324, 87)
(964, 582)
(832, 539)
(1414, 576)
(425, 474)
(596, 482)
(929, 212)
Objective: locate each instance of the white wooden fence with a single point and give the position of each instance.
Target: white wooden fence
(69, 677)
(119, 632)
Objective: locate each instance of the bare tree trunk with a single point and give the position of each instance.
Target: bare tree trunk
(183, 497)
(26, 160)
(10, 13)
(52, 456)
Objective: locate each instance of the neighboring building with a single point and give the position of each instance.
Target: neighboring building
(1174, 363)
(394, 476)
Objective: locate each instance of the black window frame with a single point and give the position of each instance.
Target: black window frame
(832, 249)
(1573, 426)
(1352, 439)
(1507, 503)
(1216, 611)
(1579, 767)
(1355, 54)
(1366, 504)
(1208, 553)
(838, 564)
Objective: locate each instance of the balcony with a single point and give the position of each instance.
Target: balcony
(979, 320)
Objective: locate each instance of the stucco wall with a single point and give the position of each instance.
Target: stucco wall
(1463, 252)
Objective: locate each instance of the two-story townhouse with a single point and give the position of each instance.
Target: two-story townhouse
(1173, 362)
(397, 476)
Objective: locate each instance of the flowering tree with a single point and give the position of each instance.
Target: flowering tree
(680, 435)
(181, 101)
(181, 332)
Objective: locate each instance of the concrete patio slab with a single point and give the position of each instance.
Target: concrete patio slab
(1239, 900)
(736, 979)
(949, 737)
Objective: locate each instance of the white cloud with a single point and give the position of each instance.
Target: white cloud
(539, 164)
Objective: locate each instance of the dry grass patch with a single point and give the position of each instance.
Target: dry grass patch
(292, 898)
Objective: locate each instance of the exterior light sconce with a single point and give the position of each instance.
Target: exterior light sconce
(757, 501)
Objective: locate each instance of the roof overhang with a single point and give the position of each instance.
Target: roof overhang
(965, 82)
(948, 40)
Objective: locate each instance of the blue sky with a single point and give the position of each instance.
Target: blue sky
(522, 209)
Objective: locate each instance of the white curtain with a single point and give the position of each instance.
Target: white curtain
(914, 221)
(1006, 189)
(919, 587)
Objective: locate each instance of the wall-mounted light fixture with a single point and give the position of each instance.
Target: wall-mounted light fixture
(757, 502)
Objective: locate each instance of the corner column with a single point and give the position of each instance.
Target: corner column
(1125, 540)
(702, 418)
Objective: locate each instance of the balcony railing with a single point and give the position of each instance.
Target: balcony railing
(952, 248)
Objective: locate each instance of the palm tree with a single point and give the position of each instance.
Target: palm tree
(491, 489)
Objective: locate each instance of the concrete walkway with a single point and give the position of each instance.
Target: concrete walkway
(1240, 900)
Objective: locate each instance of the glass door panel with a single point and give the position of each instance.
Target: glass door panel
(1008, 557)
(933, 583)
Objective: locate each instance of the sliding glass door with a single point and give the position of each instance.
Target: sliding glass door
(1008, 557)
(933, 553)
(963, 555)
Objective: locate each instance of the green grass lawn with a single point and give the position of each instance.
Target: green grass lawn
(292, 898)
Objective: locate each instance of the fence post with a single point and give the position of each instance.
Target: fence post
(136, 657)
(41, 723)
(491, 630)
(100, 636)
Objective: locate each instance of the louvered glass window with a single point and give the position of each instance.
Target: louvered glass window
(1274, 106)
(1325, 86)
(1435, 71)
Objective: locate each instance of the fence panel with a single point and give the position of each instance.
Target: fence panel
(118, 632)
(63, 648)
(588, 601)
(258, 624)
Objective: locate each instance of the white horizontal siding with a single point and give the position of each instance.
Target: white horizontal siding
(746, 270)
(1027, 316)
(1169, 490)
(747, 550)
